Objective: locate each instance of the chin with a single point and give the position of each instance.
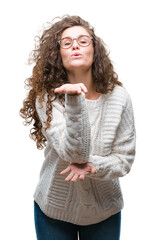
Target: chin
(79, 66)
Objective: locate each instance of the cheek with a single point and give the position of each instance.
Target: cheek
(90, 55)
(64, 56)
(90, 51)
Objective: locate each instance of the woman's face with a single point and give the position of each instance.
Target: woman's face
(77, 57)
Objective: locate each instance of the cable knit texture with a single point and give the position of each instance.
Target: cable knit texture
(100, 131)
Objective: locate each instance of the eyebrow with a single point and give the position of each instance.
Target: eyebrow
(76, 37)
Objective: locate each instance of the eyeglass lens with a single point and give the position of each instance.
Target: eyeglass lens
(82, 41)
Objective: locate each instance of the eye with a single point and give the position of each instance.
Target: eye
(84, 40)
(66, 42)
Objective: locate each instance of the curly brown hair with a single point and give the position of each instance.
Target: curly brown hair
(49, 73)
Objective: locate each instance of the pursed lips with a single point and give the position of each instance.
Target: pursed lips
(76, 55)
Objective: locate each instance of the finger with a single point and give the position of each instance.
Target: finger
(72, 91)
(65, 170)
(74, 178)
(70, 176)
(75, 90)
(59, 90)
(93, 170)
(79, 90)
(81, 177)
(83, 88)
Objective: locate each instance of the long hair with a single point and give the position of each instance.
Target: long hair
(49, 73)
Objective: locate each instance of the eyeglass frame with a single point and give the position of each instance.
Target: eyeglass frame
(91, 38)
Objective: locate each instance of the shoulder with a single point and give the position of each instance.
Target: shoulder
(41, 106)
(119, 95)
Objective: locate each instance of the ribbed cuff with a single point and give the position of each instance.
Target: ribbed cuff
(74, 99)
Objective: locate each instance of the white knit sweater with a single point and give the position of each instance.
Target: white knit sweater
(99, 131)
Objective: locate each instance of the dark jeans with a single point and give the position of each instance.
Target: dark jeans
(52, 229)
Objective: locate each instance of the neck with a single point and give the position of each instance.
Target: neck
(86, 78)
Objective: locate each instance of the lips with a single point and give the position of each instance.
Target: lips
(76, 54)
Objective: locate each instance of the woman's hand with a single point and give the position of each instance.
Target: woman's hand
(73, 89)
(78, 171)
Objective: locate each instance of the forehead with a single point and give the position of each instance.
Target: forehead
(74, 31)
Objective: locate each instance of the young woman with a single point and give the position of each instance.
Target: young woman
(84, 117)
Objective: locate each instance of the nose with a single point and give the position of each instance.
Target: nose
(75, 44)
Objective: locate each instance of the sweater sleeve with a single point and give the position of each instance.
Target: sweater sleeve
(69, 131)
(118, 163)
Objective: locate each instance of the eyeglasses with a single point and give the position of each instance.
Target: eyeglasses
(82, 40)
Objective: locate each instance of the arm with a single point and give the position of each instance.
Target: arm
(118, 163)
(69, 135)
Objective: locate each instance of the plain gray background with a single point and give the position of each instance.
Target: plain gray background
(128, 29)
